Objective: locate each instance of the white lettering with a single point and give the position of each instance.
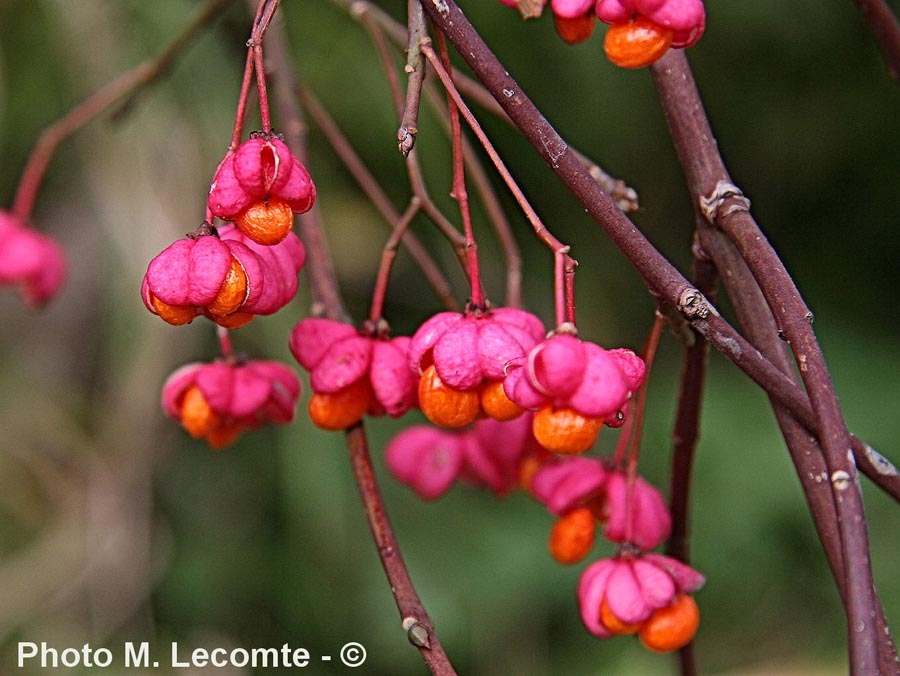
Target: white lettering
(300, 657)
(218, 662)
(263, 654)
(102, 657)
(32, 652)
(244, 657)
(70, 657)
(175, 662)
(141, 658)
(255, 658)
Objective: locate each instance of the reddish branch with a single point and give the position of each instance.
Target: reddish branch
(884, 26)
(625, 196)
(686, 434)
(325, 290)
(410, 606)
(125, 85)
(376, 194)
(706, 176)
(491, 204)
(415, 69)
(566, 263)
(805, 453)
(460, 193)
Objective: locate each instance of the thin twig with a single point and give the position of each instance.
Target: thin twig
(128, 84)
(319, 264)
(626, 197)
(804, 449)
(413, 168)
(685, 435)
(373, 190)
(459, 192)
(537, 224)
(416, 622)
(388, 254)
(491, 204)
(408, 602)
(415, 69)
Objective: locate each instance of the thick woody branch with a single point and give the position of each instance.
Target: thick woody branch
(804, 449)
(723, 205)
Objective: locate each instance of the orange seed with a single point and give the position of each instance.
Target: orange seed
(562, 430)
(672, 627)
(197, 418)
(174, 314)
(614, 624)
(576, 29)
(232, 293)
(637, 43)
(443, 405)
(266, 222)
(342, 409)
(496, 404)
(235, 320)
(223, 435)
(572, 536)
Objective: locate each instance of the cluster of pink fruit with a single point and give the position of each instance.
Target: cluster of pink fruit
(514, 408)
(640, 31)
(230, 274)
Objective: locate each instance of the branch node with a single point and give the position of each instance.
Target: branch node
(840, 480)
(693, 305)
(712, 206)
(406, 139)
(416, 633)
(881, 464)
(564, 328)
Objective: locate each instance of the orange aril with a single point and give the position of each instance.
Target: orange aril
(637, 43)
(496, 404)
(174, 314)
(572, 536)
(576, 29)
(197, 418)
(232, 293)
(342, 409)
(672, 627)
(528, 467)
(445, 406)
(235, 320)
(562, 430)
(614, 624)
(223, 435)
(266, 222)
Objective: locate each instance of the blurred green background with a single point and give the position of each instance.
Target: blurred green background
(115, 526)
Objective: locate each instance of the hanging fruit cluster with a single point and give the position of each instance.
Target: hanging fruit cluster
(640, 31)
(233, 272)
